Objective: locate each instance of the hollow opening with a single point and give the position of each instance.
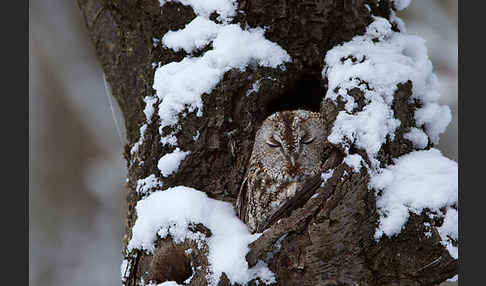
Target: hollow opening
(306, 92)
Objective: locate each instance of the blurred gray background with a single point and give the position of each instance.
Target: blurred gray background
(77, 172)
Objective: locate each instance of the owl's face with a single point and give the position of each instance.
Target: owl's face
(289, 145)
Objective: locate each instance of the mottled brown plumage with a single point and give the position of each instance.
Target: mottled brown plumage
(288, 153)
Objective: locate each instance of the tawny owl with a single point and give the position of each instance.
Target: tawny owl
(288, 151)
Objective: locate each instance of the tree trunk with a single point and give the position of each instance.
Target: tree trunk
(330, 240)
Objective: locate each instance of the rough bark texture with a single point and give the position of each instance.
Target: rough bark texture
(330, 240)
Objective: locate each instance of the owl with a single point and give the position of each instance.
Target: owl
(288, 151)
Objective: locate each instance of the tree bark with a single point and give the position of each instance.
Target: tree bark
(329, 241)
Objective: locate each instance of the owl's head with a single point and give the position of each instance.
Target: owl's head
(289, 145)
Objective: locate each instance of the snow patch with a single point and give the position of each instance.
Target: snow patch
(418, 180)
(166, 283)
(376, 68)
(155, 42)
(150, 183)
(179, 85)
(417, 137)
(196, 137)
(449, 231)
(169, 283)
(368, 129)
(149, 107)
(228, 244)
(434, 118)
(402, 4)
(124, 270)
(170, 139)
(326, 176)
(225, 8)
(376, 63)
(453, 279)
(254, 88)
(137, 144)
(169, 163)
(354, 161)
(428, 230)
(197, 34)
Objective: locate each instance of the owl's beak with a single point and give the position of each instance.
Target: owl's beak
(293, 159)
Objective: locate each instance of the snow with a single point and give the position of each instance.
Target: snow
(395, 58)
(435, 118)
(168, 283)
(254, 88)
(326, 176)
(375, 63)
(170, 140)
(179, 85)
(417, 137)
(418, 180)
(155, 42)
(398, 21)
(196, 137)
(228, 244)
(135, 147)
(354, 161)
(428, 230)
(197, 34)
(124, 270)
(149, 107)
(402, 4)
(453, 279)
(368, 129)
(169, 163)
(147, 185)
(449, 229)
(225, 8)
